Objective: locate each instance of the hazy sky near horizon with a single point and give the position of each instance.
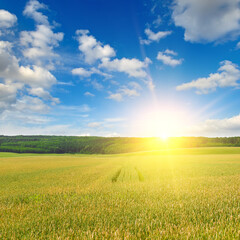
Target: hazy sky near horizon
(120, 68)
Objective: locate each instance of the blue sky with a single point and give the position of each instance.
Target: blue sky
(120, 68)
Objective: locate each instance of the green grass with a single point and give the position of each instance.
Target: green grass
(184, 194)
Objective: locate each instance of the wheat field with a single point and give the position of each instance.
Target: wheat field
(181, 194)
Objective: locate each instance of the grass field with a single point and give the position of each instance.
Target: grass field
(183, 194)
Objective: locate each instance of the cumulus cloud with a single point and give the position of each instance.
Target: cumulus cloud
(39, 45)
(36, 76)
(26, 88)
(207, 21)
(30, 104)
(92, 49)
(8, 92)
(31, 10)
(7, 19)
(227, 75)
(15, 77)
(167, 58)
(101, 57)
(133, 67)
(154, 37)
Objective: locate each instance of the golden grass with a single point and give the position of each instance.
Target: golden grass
(154, 195)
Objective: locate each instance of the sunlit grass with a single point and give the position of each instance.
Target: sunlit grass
(177, 194)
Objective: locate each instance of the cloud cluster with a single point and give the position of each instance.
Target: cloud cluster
(154, 37)
(167, 58)
(207, 21)
(25, 89)
(38, 45)
(228, 75)
(101, 58)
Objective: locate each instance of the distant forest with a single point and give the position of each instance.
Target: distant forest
(102, 145)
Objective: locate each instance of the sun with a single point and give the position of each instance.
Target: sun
(164, 137)
(161, 123)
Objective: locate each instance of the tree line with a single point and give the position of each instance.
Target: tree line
(104, 145)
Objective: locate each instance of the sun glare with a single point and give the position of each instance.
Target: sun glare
(164, 137)
(160, 123)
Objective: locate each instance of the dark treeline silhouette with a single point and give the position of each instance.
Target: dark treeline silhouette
(102, 145)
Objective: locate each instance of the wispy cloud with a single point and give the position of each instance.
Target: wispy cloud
(82, 72)
(132, 90)
(88, 94)
(154, 37)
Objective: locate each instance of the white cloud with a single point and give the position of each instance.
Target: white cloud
(94, 124)
(40, 43)
(40, 92)
(22, 118)
(227, 76)
(74, 109)
(207, 21)
(132, 90)
(92, 49)
(135, 85)
(30, 104)
(17, 129)
(157, 22)
(31, 10)
(129, 92)
(88, 94)
(15, 77)
(81, 72)
(170, 52)
(7, 19)
(36, 77)
(97, 85)
(216, 127)
(25, 88)
(87, 73)
(133, 67)
(154, 37)
(116, 96)
(167, 59)
(8, 92)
